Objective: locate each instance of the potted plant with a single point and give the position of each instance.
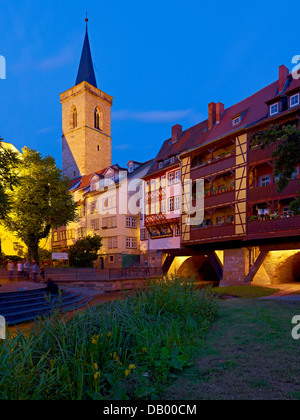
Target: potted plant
(253, 217)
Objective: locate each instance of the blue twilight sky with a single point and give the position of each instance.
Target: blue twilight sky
(162, 61)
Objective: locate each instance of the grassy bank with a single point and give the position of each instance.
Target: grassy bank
(125, 349)
(248, 354)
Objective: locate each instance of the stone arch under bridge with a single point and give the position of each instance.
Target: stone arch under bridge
(279, 267)
(200, 266)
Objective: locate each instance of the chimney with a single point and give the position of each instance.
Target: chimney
(176, 132)
(219, 111)
(283, 75)
(211, 115)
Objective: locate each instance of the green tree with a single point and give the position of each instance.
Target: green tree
(9, 177)
(40, 202)
(286, 154)
(85, 251)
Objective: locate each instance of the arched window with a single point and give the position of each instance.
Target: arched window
(74, 117)
(98, 119)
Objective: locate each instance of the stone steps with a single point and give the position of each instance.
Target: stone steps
(19, 307)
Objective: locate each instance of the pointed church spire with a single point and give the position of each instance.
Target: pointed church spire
(86, 69)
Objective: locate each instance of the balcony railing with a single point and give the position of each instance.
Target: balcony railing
(219, 197)
(216, 165)
(270, 191)
(280, 224)
(213, 232)
(258, 155)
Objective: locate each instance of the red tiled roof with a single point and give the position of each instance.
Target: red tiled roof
(252, 110)
(189, 137)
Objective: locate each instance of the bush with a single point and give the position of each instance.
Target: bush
(85, 251)
(124, 349)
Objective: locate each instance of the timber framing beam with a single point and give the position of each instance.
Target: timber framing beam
(255, 267)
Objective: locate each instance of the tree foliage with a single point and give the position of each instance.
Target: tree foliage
(286, 154)
(9, 177)
(85, 251)
(40, 201)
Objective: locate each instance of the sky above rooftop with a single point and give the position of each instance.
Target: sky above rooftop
(162, 61)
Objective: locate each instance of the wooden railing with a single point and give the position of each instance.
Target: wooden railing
(258, 155)
(214, 232)
(215, 166)
(219, 198)
(270, 191)
(275, 225)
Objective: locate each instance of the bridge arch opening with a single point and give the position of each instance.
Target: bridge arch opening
(198, 266)
(279, 267)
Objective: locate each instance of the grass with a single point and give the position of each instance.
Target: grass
(125, 349)
(249, 354)
(244, 291)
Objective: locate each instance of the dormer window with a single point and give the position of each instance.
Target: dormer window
(130, 169)
(160, 165)
(172, 159)
(294, 100)
(274, 109)
(109, 180)
(236, 120)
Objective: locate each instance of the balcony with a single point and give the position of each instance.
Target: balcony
(281, 226)
(259, 155)
(219, 197)
(270, 191)
(214, 166)
(213, 233)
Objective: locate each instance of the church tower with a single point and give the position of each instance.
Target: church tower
(86, 121)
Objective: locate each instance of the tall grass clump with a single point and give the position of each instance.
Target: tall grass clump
(126, 349)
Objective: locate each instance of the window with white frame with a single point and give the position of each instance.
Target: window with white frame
(152, 208)
(95, 224)
(109, 222)
(110, 179)
(71, 233)
(163, 181)
(294, 100)
(236, 120)
(177, 230)
(81, 232)
(163, 206)
(171, 178)
(93, 207)
(171, 203)
(112, 242)
(131, 243)
(152, 184)
(109, 202)
(177, 202)
(274, 109)
(147, 186)
(147, 209)
(177, 177)
(131, 222)
(55, 237)
(264, 180)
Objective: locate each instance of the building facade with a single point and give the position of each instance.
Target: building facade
(245, 218)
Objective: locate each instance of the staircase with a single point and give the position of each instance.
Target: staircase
(19, 307)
